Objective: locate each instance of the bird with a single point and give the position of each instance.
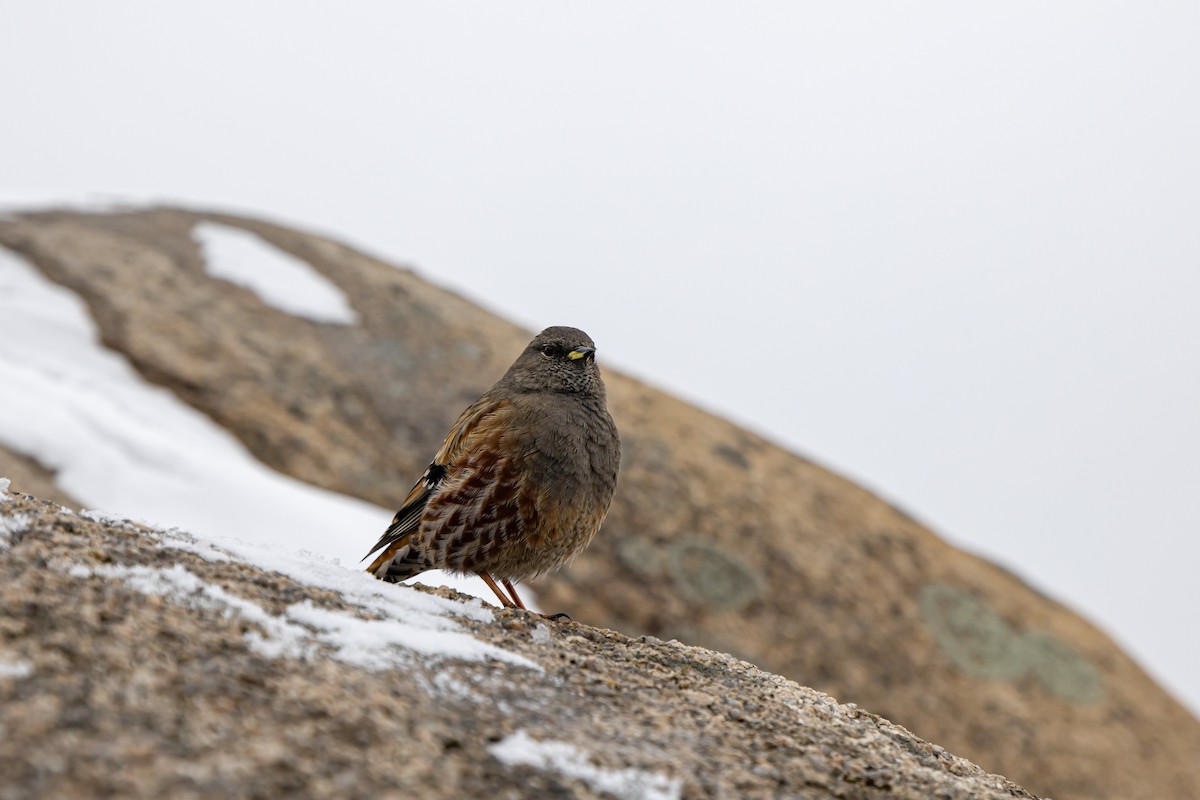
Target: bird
(523, 480)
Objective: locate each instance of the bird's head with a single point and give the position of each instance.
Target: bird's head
(559, 359)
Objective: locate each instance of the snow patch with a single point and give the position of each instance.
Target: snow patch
(566, 759)
(278, 637)
(365, 642)
(370, 644)
(418, 621)
(15, 669)
(11, 524)
(446, 685)
(279, 279)
(176, 539)
(115, 440)
(318, 569)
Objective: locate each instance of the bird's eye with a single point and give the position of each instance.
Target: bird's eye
(549, 350)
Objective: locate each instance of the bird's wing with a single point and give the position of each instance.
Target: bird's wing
(487, 497)
(409, 516)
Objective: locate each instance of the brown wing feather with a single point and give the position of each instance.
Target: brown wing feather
(482, 506)
(408, 518)
(467, 427)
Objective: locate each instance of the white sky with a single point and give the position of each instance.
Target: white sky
(951, 250)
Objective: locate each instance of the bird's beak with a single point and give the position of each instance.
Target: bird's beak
(580, 352)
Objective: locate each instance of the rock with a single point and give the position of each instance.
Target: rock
(716, 537)
(132, 668)
(32, 477)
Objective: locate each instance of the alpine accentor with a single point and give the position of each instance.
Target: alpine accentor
(523, 480)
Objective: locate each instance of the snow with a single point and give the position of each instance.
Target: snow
(116, 441)
(420, 622)
(279, 279)
(364, 641)
(412, 626)
(17, 523)
(566, 759)
(277, 637)
(15, 669)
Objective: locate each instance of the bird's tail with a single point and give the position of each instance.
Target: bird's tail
(397, 562)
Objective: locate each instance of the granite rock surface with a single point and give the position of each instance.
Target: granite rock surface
(140, 663)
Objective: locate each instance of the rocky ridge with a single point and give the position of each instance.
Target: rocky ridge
(136, 662)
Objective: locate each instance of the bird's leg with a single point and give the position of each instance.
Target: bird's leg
(559, 617)
(513, 591)
(515, 602)
(504, 601)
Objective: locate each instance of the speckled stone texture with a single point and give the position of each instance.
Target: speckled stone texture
(716, 536)
(124, 695)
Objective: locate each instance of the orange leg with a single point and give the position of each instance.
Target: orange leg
(515, 602)
(513, 591)
(504, 601)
